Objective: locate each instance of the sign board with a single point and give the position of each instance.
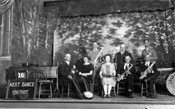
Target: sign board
(21, 74)
(21, 89)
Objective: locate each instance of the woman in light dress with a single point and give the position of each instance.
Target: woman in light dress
(107, 75)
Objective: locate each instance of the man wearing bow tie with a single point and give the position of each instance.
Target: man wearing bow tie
(152, 74)
(129, 68)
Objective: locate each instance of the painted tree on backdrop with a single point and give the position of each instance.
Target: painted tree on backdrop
(33, 33)
(116, 24)
(158, 27)
(47, 24)
(26, 14)
(170, 27)
(79, 32)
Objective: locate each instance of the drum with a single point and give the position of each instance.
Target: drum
(170, 83)
(88, 95)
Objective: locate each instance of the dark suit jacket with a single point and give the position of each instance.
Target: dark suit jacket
(122, 70)
(65, 69)
(79, 64)
(150, 76)
(120, 59)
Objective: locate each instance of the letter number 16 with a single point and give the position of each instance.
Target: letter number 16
(21, 75)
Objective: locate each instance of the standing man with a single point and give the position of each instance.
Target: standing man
(149, 51)
(119, 58)
(66, 73)
(95, 55)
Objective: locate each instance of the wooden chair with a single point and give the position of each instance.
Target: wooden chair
(43, 83)
(56, 84)
(144, 88)
(120, 87)
(113, 91)
(63, 91)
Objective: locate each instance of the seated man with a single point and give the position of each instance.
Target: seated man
(149, 74)
(67, 75)
(127, 72)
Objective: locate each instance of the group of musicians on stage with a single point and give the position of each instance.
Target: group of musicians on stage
(111, 70)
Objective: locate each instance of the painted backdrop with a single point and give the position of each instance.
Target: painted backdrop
(41, 35)
(111, 30)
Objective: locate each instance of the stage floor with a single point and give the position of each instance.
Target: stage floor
(161, 99)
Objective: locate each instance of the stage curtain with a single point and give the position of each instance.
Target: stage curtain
(5, 4)
(96, 7)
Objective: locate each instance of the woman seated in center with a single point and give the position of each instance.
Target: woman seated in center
(107, 75)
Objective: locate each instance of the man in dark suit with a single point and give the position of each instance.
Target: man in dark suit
(119, 58)
(152, 74)
(66, 73)
(127, 70)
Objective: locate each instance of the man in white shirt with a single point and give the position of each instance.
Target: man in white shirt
(129, 70)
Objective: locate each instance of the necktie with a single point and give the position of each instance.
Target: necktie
(127, 66)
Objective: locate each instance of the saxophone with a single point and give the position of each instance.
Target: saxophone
(144, 74)
(96, 59)
(124, 74)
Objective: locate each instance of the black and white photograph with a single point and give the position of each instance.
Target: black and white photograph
(87, 54)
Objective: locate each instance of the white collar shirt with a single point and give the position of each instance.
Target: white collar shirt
(122, 52)
(126, 66)
(67, 62)
(95, 50)
(147, 63)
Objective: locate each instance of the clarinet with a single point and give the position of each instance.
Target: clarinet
(144, 74)
(122, 76)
